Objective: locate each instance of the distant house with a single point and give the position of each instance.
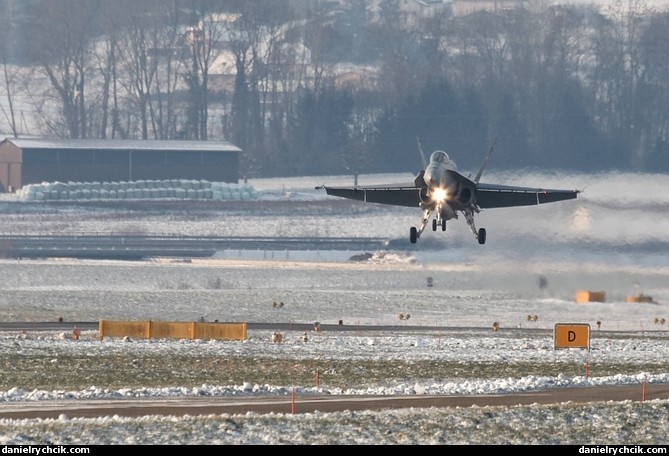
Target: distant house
(31, 161)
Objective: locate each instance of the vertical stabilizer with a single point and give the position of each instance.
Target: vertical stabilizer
(422, 154)
(485, 162)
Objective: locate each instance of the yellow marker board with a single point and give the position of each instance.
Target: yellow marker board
(572, 335)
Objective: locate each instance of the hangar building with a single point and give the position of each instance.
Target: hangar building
(32, 161)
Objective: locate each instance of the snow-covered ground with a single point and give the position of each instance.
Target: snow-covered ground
(613, 238)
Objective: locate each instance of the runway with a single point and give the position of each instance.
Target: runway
(137, 247)
(309, 404)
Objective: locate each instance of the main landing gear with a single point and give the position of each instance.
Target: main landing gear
(480, 235)
(414, 233)
(438, 221)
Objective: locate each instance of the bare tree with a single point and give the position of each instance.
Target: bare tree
(149, 55)
(544, 53)
(62, 45)
(654, 89)
(241, 39)
(204, 46)
(138, 62)
(6, 39)
(397, 43)
(9, 77)
(357, 156)
(621, 70)
(105, 58)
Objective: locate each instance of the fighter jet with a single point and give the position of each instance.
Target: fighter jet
(443, 193)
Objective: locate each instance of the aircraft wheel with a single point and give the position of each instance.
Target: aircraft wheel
(413, 235)
(481, 236)
(434, 224)
(443, 224)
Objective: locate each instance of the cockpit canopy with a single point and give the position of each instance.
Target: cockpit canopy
(439, 156)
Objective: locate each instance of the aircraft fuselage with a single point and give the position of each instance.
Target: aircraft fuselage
(443, 186)
(436, 175)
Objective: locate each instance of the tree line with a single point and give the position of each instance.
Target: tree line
(309, 87)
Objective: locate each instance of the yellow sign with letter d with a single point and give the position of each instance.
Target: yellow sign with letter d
(572, 335)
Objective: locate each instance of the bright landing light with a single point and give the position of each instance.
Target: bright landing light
(439, 194)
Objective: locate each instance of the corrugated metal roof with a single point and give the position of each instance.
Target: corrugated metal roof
(123, 144)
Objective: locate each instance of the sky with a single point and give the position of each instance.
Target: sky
(612, 238)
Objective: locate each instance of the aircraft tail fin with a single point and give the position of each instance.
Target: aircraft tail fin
(422, 153)
(485, 162)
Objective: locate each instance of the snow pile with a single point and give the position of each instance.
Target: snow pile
(383, 257)
(140, 189)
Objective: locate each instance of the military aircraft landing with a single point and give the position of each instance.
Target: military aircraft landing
(442, 192)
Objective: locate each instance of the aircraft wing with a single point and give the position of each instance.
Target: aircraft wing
(493, 195)
(393, 194)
